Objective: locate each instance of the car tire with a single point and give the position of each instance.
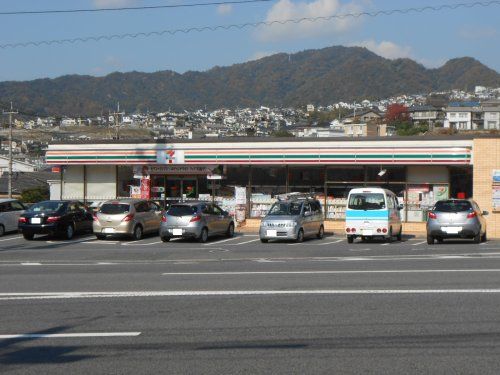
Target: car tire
(484, 238)
(430, 240)
(165, 239)
(300, 236)
(100, 236)
(2, 230)
(69, 232)
(350, 239)
(137, 235)
(321, 232)
(440, 240)
(477, 237)
(230, 231)
(203, 235)
(263, 240)
(28, 236)
(364, 239)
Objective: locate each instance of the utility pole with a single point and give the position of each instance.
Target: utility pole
(10, 113)
(116, 118)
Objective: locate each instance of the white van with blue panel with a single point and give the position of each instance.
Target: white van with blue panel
(372, 213)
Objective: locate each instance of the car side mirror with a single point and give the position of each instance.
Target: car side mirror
(307, 213)
(485, 213)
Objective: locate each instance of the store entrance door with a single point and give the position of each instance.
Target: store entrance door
(171, 189)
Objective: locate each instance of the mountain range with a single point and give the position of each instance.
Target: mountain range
(320, 77)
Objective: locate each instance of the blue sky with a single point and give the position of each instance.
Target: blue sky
(430, 37)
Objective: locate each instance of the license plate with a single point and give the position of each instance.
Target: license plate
(108, 230)
(367, 232)
(451, 230)
(36, 220)
(271, 233)
(177, 232)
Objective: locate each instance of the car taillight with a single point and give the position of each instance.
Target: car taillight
(348, 230)
(384, 230)
(353, 230)
(22, 220)
(128, 217)
(432, 215)
(195, 218)
(164, 218)
(471, 215)
(53, 219)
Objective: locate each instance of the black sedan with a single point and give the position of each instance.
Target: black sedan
(61, 218)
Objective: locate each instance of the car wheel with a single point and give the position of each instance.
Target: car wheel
(321, 232)
(300, 236)
(363, 239)
(477, 237)
(350, 239)
(137, 235)
(100, 236)
(69, 232)
(430, 240)
(2, 230)
(263, 240)
(165, 239)
(230, 231)
(28, 236)
(203, 236)
(440, 240)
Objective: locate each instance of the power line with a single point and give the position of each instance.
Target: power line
(121, 9)
(248, 24)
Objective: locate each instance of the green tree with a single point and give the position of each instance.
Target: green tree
(34, 195)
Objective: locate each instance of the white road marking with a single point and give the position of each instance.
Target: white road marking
(80, 240)
(31, 264)
(243, 243)
(419, 243)
(216, 293)
(365, 249)
(242, 273)
(329, 243)
(100, 242)
(385, 244)
(264, 260)
(10, 239)
(69, 335)
(221, 241)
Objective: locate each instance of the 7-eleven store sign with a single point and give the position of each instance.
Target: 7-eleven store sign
(170, 157)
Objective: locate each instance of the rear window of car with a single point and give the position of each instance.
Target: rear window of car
(47, 206)
(181, 210)
(114, 209)
(453, 206)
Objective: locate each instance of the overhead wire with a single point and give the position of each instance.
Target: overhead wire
(121, 9)
(248, 24)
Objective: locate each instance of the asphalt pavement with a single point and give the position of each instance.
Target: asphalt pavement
(236, 306)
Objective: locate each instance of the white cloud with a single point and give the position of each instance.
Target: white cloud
(288, 9)
(261, 54)
(386, 49)
(469, 32)
(224, 9)
(113, 3)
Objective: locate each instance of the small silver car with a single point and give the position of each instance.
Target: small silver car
(197, 220)
(130, 217)
(10, 210)
(456, 218)
(293, 219)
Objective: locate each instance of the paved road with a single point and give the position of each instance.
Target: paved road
(239, 306)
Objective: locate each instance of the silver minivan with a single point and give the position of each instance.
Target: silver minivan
(293, 219)
(10, 210)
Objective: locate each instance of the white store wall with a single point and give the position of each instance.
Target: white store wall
(73, 182)
(101, 182)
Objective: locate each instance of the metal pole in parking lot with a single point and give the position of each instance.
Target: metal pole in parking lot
(10, 113)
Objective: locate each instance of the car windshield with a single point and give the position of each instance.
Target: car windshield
(114, 208)
(284, 208)
(367, 201)
(181, 210)
(47, 206)
(452, 206)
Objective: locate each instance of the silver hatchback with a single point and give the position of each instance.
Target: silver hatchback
(456, 218)
(293, 219)
(197, 220)
(130, 217)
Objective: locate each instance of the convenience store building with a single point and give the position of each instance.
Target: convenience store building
(247, 174)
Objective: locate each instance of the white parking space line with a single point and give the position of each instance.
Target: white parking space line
(322, 272)
(221, 241)
(218, 293)
(385, 244)
(11, 238)
(79, 240)
(329, 243)
(419, 243)
(243, 243)
(69, 335)
(141, 244)
(31, 264)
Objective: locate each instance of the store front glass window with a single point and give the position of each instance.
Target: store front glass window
(125, 181)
